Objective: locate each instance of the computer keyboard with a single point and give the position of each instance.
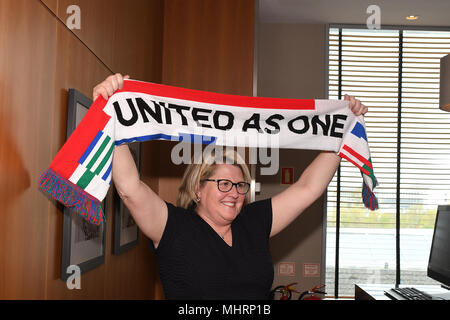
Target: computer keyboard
(408, 294)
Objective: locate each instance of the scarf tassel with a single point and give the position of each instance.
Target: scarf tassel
(72, 196)
(369, 199)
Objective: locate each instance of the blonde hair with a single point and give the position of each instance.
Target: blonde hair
(202, 168)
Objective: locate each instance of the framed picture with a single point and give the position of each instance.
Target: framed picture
(83, 243)
(126, 231)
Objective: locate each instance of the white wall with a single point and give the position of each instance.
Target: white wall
(291, 64)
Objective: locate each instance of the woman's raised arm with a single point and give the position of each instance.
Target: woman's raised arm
(147, 208)
(289, 204)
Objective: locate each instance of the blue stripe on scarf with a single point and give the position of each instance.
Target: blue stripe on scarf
(91, 146)
(359, 131)
(187, 137)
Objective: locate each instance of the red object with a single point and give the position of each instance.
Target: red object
(312, 297)
(287, 175)
(218, 98)
(313, 294)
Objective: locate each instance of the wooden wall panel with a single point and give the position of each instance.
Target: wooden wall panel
(40, 59)
(133, 28)
(51, 4)
(98, 20)
(208, 45)
(130, 275)
(140, 39)
(27, 41)
(76, 68)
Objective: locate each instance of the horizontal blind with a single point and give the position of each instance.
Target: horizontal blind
(370, 72)
(425, 148)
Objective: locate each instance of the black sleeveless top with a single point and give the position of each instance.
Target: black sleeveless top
(196, 263)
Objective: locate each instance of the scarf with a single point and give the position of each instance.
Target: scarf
(80, 174)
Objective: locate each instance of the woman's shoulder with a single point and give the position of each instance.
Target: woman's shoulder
(257, 215)
(179, 220)
(179, 213)
(176, 209)
(258, 206)
(257, 209)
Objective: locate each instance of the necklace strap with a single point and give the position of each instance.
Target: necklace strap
(223, 237)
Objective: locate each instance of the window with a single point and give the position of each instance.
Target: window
(395, 72)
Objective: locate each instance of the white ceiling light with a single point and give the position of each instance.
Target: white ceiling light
(412, 17)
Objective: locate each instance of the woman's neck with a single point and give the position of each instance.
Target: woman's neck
(223, 230)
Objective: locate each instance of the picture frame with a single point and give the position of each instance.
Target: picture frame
(83, 243)
(126, 231)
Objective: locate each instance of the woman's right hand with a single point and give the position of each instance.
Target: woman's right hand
(109, 86)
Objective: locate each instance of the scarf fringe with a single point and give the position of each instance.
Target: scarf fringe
(369, 199)
(72, 196)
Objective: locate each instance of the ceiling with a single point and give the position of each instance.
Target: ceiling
(393, 12)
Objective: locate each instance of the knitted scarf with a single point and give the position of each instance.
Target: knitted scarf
(80, 174)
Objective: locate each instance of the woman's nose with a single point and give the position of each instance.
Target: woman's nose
(233, 192)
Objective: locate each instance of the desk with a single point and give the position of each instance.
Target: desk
(373, 291)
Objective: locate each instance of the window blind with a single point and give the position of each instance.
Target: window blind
(395, 72)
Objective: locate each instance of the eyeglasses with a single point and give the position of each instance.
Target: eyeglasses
(225, 185)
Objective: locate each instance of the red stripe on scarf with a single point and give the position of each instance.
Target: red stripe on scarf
(358, 156)
(66, 161)
(342, 155)
(161, 90)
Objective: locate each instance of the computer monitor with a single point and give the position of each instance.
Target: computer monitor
(439, 262)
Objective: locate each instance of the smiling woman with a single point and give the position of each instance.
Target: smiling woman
(215, 244)
(219, 239)
(217, 207)
(202, 169)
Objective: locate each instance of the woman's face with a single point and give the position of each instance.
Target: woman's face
(221, 207)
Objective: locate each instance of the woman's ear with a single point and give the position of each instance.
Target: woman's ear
(198, 193)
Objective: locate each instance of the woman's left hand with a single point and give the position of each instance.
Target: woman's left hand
(356, 106)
